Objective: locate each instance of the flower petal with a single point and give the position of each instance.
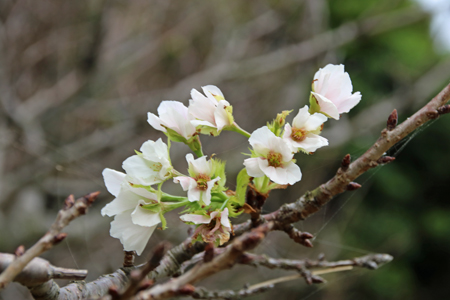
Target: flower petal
(326, 106)
(252, 166)
(113, 180)
(301, 118)
(125, 200)
(133, 237)
(315, 121)
(196, 219)
(144, 217)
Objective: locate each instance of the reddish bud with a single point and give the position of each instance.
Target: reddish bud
(346, 162)
(306, 235)
(69, 202)
(145, 284)
(307, 243)
(19, 251)
(392, 120)
(187, 289)
(317, 279)
(113, 291)
(59, 237)
(385, 159)
(90, 198)
(353, 186)
(445, 109)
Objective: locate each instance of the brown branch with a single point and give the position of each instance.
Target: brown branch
(52, 237)
(137, 276)
(226, 260)
(371, 261)
(39, 271)
(202, 293)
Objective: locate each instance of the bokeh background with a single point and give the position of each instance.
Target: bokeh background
(78, 77)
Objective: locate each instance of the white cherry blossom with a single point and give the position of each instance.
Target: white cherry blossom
(212, 110)
(332, 90)
(304, 132)
(199, 186)
(274, 158)
(150, 167)
(173, 115)
(132, 224)
(213, 227)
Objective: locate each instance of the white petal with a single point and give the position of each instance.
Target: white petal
(349, 103)
(176, 117)
(199, 165)
(252, 166)
(212, 90)
(301, 118)
(327, 106)
(196, 123)
(133, 237)
(315, 121)
(139, 170)
(202, 107)
(207, 194)
(311, 143)
(125, 200)
(155, 151)
(221, 115)
(288, 174)
(224, 219)
(196, 219)
(143, 193)
(113, 180)
(155, 122)
(261, 136)
(186, 182)
(143, 217)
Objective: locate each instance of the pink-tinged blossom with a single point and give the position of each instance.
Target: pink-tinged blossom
(211, 111)
(151, 166)
(214, 227)
(274, 158)
(304, 132)
(332, 91)
(133, 225)
(173, 115)
(200, 184)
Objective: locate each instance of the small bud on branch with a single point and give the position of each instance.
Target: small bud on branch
(392, 120)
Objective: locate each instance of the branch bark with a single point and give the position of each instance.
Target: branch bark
(71, 210)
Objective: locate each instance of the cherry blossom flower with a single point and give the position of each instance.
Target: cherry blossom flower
(212, 111)
(272, 157)
(332, 92)
(174, 120)
(200, 184)
(133, 224)
(215, 227)
(304, 132)
(149, 167)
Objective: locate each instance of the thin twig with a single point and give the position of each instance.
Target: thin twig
(51, 238)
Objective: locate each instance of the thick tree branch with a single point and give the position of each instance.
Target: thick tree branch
(71, 210)
(226, 260)
(39, 271)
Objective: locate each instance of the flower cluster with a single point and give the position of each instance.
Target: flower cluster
(140, 203)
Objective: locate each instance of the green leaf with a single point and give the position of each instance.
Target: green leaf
(242, 182)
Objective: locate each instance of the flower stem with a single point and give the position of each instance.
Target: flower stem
(235, 127)
(171, 198)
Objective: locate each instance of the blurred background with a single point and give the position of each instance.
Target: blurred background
(77, 79)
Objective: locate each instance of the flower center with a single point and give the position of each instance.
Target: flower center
(202, 181)
(298, 134)
(156, 166)
(274, 159)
